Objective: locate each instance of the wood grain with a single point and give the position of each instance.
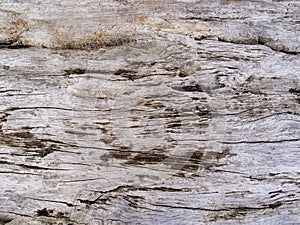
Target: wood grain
(149, 112)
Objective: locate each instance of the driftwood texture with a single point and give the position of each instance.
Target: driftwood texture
(149, 112)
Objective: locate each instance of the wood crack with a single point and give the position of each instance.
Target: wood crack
(54, 201)
(259, 41)
(13, 44)
(261, 141)
(35, 167)
(241, 208)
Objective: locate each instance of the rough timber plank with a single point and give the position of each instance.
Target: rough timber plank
(149, 112)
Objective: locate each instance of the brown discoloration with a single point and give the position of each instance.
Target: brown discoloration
(196, 156)
(224, 154)
(151, 103)
(123, 152)
(95, 41)
(25, 134)
(75, 71)
(130, 74)
(27, 141)
(147, 158)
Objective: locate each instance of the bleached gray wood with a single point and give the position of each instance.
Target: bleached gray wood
(149, 112)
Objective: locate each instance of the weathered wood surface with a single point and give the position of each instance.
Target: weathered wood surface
(149, 112)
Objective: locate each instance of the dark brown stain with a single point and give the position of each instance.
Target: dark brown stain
(25, 140)
(147, 158)
(183, 74)
(151, 103)
(295, 91)
(196, 156)
(130, 74)
(51, 213)
(203, 111)
(219, 155)
(189, 88)
(75, 71)
(275, 205)
(48, 150)
(194, 162)
(205, 159)
(173, 125)
(123, 152)
(6, 67)
(225, 153)
(13, 44)
(250, 79)
(4, 220)
(190, 168)
(44, 212)
(24, 134)
(35, 144)
(124, 71)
